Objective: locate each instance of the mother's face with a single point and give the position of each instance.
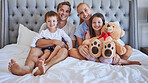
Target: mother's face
(63, 12)
(84, 12)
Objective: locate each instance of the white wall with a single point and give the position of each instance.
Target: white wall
(142, 9)
(143, 22)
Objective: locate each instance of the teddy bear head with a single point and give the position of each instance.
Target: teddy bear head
(114, 29)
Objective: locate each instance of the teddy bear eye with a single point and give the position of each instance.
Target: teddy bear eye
(113, 26)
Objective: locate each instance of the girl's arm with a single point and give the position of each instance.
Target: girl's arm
(87, 35)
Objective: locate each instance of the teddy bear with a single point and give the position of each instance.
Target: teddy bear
(106, 45)
(111, 33)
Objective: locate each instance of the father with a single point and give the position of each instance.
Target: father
(63, 10)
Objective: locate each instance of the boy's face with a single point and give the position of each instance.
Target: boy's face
(63, 12)
(51, 22)
(84, 12)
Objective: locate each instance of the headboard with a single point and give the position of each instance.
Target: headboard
(31, 14)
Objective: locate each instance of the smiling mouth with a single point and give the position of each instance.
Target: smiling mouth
(97, 27)
(86, 16)
(63, 16)
(51, 25)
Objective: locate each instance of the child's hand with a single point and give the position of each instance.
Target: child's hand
(87, 35)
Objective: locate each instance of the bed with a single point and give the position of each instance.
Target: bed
(21, 20)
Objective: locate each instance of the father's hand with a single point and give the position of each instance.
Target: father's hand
(60, 43)
(49, 42)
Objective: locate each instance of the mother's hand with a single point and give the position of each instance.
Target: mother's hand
(83, 50)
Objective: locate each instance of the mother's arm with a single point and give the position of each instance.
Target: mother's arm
(80, 40)
(83, 49)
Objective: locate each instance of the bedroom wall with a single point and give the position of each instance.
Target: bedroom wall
(0, 22)
(143, 23)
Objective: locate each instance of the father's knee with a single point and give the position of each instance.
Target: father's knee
(35, 51)
(63, 52)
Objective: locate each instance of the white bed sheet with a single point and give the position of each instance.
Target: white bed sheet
(72, 70)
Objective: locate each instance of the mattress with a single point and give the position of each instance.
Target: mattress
(72, 70)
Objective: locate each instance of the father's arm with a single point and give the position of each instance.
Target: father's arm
(47, 42)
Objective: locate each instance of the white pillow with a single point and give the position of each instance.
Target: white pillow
(25, 36)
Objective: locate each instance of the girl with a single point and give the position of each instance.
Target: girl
(96, 23)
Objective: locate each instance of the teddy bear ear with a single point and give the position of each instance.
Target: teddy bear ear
(117, 22)
(122, 33)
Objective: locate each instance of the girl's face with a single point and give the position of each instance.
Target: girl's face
(63, 12)
(52, 22)
(97, 23)
(84, 12)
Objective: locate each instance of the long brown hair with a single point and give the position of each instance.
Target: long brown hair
(81, 20)
(92, 32)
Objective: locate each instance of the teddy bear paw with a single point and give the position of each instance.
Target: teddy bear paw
(95, 48)
(108, 50)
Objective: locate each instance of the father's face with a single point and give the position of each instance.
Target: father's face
(63, 12)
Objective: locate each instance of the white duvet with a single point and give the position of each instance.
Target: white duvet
(72, 70)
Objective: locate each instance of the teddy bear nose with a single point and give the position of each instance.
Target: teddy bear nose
(95, 50)
(108, 53)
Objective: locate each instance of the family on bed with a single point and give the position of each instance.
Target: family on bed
(56, 40)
